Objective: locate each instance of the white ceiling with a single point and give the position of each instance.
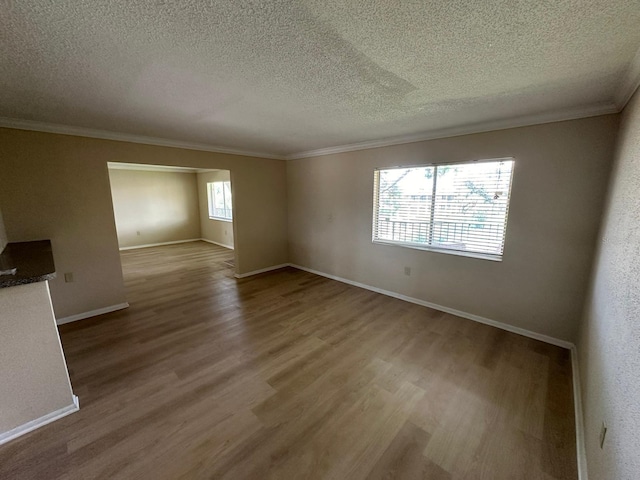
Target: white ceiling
(284, 77)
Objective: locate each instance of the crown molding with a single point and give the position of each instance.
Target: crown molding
(524, 121)
(126, 137)
(630, 82)
(503, 124)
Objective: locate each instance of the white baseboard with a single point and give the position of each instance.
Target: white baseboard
(441, 308)
(91, 313)
(577, 407)
(262, 270)
(230, 247)
(160, 244)
(40, 422)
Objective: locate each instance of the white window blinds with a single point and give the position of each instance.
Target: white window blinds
(457, 207)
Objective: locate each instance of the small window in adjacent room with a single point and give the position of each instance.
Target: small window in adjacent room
(458, 208)
(219, 194)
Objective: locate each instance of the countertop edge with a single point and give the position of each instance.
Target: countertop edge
(33, 262)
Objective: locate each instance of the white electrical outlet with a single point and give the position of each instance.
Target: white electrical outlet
(603, 434)
(68, 277)
(407, 271)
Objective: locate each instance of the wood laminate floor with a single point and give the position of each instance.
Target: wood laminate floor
(288, 375)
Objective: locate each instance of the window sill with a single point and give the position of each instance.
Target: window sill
(480, 256)
(220, 219)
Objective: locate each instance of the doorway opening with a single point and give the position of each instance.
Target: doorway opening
(157, 205)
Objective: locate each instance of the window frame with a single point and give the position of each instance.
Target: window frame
(431, 248)
(211, 197)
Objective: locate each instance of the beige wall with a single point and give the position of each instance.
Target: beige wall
(57, 186)
(154, 207)
(3, 234)
(609, 342)
(33, 374)
(558, 189)
(218, 231)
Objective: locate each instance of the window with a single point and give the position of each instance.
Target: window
(219, 194)
(458, 208)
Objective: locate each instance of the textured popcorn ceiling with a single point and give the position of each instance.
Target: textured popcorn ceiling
(291, 76)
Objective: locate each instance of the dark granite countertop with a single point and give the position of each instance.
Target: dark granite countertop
(33, 262)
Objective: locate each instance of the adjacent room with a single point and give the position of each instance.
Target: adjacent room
(320, 240)
(162, 205)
